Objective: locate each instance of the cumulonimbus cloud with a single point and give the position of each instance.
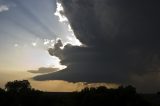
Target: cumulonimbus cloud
(121, 41)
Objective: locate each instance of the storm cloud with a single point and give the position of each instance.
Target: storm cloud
(120, 40)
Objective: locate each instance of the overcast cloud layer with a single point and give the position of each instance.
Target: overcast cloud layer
(121, 38)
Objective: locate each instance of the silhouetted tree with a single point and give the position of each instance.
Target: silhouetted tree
(18, 86)
(102, 89)
(20, 93)
(85, 90)
(2, 90)
(130, 89)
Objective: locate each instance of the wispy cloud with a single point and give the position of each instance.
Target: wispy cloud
(44, 70)
(3, 8)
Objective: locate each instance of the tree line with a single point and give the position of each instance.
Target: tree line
(20, 93)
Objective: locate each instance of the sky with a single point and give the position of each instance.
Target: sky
(70, 44)
(27, 29)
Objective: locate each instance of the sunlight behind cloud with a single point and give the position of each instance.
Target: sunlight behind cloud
(63, 19)
(59, 12)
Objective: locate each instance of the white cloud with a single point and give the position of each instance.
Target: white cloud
(63, 19)
(59, 12)
(48, 43)
(3, 8)
(69, 28)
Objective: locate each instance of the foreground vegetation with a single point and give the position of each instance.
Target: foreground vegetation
(20, 93)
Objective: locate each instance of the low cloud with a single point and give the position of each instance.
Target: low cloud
(44, 70)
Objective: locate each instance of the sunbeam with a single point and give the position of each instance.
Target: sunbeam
(28, 13)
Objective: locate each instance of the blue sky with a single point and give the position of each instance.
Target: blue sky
(27, 29)
(25, 25)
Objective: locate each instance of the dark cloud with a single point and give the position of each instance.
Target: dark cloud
(121, 39)
(43, 70)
